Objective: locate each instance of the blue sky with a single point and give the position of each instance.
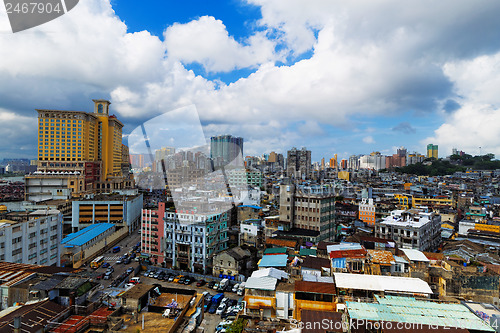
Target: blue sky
(334, 76)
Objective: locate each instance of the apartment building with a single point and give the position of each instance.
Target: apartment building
(121, 210)
(184, 239)
(31, 238)
(309, 208)
(412, 229)
(367, 211)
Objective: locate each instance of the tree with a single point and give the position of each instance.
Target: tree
(237, 326)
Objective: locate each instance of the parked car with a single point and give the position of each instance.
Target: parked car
(181, 280)
(100, 276)
(161, 275)
(216, 286)
(200, 283)
(110, 269)
(130, 270)
(213, 308)
(156, 274)
(222, 307)
(126, 261)
(135, 280)
(119, 261)
(188, 280)
(176, 280)
(171, 278)
(211, 284)
(235, 288)
(222, 325)
(152, 274)
(107, 276)
(146, 273)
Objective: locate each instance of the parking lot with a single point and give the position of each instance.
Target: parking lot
(210, 320)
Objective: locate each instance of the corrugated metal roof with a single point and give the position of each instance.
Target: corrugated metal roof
(315, 287)
(307, 252)
(381, 283)
(409, 310)
(281, 242)
(270, 272)
(276, 250)
(358, 253)
(87, 234)
(261, 283)
(34, 317)
(415, 255)
(278, 260)
(381, 257)
(344, 247)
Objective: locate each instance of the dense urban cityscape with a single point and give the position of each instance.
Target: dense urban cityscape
(97, 238)
(249, 166)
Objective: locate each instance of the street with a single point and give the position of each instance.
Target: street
(125, 245)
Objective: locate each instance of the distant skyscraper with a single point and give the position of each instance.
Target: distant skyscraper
(226, 149)
(298, 163)
(432, 151)
(343, 164)
(333, 162)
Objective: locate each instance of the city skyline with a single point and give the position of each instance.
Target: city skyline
(326, 76)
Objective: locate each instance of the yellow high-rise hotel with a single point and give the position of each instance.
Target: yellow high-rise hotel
(82, 149)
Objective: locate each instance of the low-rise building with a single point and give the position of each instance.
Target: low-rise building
(31, 238)
(231, 263)
(122, 210)
(412, 229)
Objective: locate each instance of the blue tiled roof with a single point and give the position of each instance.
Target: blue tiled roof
(85, 235)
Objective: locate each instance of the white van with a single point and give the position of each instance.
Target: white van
(223, 284)
(241, 289)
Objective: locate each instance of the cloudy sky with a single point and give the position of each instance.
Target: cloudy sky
(345, 77)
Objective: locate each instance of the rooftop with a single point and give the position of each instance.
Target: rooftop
(382, 257)
(278, 260)
(85, 235)
(415, 255)
(410, 310)
(137, 291)
(412, 217)
(34, 317)
(381, 283)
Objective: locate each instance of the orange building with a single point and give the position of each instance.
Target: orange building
(367, 211)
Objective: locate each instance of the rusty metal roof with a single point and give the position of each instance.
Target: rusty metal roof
(34, 317)
(382, 257)
(354, 254)
(315, 287)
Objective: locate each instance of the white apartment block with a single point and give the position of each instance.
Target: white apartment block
(33, 240)
(191, 240)
(412, 229)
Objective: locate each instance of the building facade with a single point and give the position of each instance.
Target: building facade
(298, 163)
(184, 239)
(79, 143)
(412, 229)
(226, 149)
(367, 211)
(121, 210)
(32, 239)
(432, 151)
(309, 209)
